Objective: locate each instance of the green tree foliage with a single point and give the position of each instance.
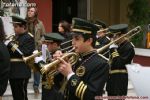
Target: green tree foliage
(139, 14)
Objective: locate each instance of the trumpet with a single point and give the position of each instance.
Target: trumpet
(30, 60)
(31, 57)
(52, 67)
(130, 34)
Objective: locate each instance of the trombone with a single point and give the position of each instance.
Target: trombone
(103, 30)
(107, 32)
(69, 46)
(10, 37)
(66, 42)
(129, 34)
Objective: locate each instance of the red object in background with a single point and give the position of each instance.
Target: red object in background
(44, 12)
(142, 56)
(142, 60)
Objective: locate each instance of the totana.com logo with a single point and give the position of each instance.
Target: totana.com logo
(4, 4)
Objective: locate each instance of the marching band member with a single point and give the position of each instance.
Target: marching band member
(50, 88)
(22, 45)
(86, 79)
(121, 53)
(102, 39)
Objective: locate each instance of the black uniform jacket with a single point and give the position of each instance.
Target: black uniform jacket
(25, 43)
(91, 73)
(66, 44)
(118, 79)
(58, 77)
(102, 41)
(51, 91)
(4, 67)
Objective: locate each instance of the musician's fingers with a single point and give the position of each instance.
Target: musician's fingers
(62, 60)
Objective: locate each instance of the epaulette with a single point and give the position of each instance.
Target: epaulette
(103, 57)
(97, 43)
(114, 53)
(132, 44)
(30, 34)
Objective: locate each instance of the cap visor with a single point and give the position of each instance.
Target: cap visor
(16, 22)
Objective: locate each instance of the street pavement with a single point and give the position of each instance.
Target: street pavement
(32, 96)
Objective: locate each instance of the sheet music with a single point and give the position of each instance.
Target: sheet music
(44, 47)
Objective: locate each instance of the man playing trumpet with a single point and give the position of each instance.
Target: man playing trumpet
(87, 77)
(50, 84)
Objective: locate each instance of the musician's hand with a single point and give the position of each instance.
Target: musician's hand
(57, 54)
(7, 42)
(113, 46)
(35, 51)
(38, 59)
(64, 67)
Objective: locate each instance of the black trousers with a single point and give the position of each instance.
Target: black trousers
(3, 86)
(19, 88)
(51, 94)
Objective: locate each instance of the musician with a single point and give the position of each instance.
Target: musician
(121, 53)
(21, 45)
(4, 62)
(51, 91)
(87, 77)
(102, 38)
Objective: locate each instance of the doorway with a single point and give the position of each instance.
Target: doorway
(63, 10)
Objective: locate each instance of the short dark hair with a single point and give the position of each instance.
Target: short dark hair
(21, 25)
(87, 36)
(2, 32)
